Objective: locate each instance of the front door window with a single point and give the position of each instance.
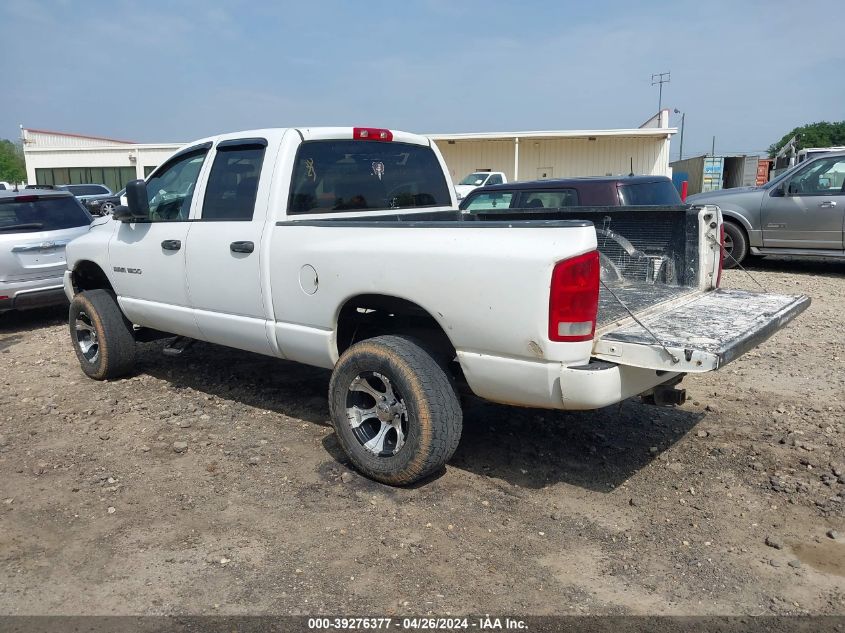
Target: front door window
(171, 189)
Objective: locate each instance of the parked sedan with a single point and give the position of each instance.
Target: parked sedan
(86, 192)
(35, 226)
(105, 204)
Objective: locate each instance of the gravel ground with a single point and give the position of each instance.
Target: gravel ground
(212, 483)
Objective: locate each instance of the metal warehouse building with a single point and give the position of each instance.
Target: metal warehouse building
(54, 158)
(61, 158)
(561, 153)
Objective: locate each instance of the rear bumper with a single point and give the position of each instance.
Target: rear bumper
(31, 293)
(600, 384)
(550, 385)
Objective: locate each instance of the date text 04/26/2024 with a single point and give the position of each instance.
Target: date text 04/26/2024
(485, 623)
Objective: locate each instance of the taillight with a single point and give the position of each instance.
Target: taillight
(721, 253)
(574, 298)
(26, 198)
(371, 134)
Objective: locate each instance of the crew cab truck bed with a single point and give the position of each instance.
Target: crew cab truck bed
(343, 248)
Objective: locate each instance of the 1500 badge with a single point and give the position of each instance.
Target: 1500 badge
(131, 271)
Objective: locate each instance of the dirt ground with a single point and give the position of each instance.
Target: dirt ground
(731, 504)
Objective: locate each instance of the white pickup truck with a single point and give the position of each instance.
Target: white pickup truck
(479, 179)
(342, 248)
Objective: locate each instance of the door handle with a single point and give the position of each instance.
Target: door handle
(171, 245)
(241, 247)
(827, 204)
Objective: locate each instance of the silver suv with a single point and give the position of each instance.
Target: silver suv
(801, 212)
(35, 226)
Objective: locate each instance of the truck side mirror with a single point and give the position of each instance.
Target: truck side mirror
(137, 203)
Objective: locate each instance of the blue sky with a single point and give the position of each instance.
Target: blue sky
(173, 71)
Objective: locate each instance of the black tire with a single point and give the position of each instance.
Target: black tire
(736, 245)
(102, 337)
(422, 406)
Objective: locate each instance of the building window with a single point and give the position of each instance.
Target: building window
(115, 178)
(149, 169)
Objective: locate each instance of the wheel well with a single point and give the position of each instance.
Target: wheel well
(735, 221)
(88, 276)
(366, 316)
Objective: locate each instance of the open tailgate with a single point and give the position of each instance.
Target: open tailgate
(703, 334)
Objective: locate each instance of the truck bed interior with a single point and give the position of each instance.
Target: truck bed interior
(649, 255)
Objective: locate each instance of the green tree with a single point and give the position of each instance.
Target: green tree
(821, 134)
(12, 166)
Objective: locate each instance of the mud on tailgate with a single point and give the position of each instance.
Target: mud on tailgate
(702, 335)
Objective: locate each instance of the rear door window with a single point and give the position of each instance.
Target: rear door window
(548, 199)
(41, 214)
(661, 193)
(233, 183)
(336, 176)
(491, 200)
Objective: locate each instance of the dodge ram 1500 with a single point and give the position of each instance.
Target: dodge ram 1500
(343, 248)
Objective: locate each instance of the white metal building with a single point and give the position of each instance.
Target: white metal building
(64, 158)
(561, 153)
(57, 158)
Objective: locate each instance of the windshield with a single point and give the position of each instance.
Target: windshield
(475, 179)
(43, 214)
(662, 192)
(365, 176)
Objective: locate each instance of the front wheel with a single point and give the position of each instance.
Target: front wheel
(395, 409)
(102, 337)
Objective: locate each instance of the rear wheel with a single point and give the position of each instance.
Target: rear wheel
(395, 409)
(735, 246)
(102, 337)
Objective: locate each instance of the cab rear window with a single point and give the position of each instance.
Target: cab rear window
(41, 214)
(340, 176)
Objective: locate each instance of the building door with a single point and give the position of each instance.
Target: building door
(544, 173)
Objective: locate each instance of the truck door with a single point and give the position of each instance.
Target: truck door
(223, 257)
(147, 258)
(809, 210)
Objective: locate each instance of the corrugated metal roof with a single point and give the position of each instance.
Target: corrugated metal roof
(504, 136)
(80, 136)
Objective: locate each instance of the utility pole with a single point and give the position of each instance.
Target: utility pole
(683, 118)
(658, 79)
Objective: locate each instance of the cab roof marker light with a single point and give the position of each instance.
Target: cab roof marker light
(372, 134)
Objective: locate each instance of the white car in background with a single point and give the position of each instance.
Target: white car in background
(35, 227)
(479, 179)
